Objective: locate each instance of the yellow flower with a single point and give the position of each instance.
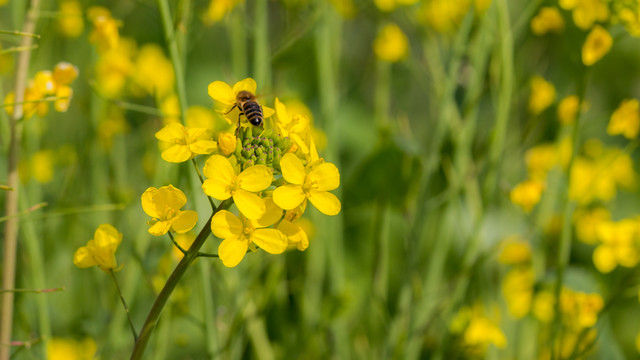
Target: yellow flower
(218, 9)
(543, 306)
(42, 166)
(64, 93)
(170, 108)
(113, 68)
(226, 95)
(184, 240)
(444, 16)
(223, 182)
(543, 93)
(597, 45)
(313, 183)
(391, 44)
(70, 349)
(239, 233)
(64, 73)
(626, 119)
(227, 143)
(618, 245)
(187, 142)
(515, 250)
(517, 289)
(105, 28)
(478, 331)
(540, 160)
(200, 117)
(153, 73)
(296, 235)
(587, 223)
(568, 109)
(70, 20)
(101, 250)
(163, 205)
(586, 12)
(390, 5)
(527, 194)
(44, 83)
(547, 20)
(297, 128)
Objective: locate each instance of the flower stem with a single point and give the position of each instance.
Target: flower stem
(124, 304)
(174, 54)
(184, 252)
(172, 282)
(11, 204)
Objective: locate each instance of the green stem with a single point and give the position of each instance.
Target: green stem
(18, 49)
(504, 99)
(174, 54)
(11, 203)
(143, 109)
(24, 212)
(237, 33)
(184, 252)
(124, 304)
(35, 291)
(262, 57)
(172, 282)
(19, 33)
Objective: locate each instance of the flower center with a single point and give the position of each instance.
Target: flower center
(169, 213)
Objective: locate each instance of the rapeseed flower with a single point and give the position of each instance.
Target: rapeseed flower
(70, 21)
(568, 109)
(517, 290)
(547, 20)
(239, 234)
(586, 12)
(515, 251)
(313, 182)
(391, 44)
(596, 46)
(101, 250)
(105, 28)
(153, 72)
(218, 9)
(224, 182)
(298, 129)
(543, 306)
(390, 5)
(227, 143)
(443, 16)
(587, 222)
(114, 67)
(543, 93)
(71, 349)
(625, 120)
(477, 330)
(164, 205)
(527, 194)
(200, 117)
(187, 142)
(618, 245)
(293, 229)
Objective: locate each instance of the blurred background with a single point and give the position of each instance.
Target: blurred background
(487, 160)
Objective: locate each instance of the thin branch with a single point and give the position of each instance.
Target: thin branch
(19, 33)
(184, 252)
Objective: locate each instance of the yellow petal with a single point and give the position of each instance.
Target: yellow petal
(292, 169)
(226, 225)
(281, 111)
(295, 234)
(232, 251)
(247, 84)
(216, 189)
(325, 176)
(83, 259)
(604, 259)
(270, 240)
(176, 154)
(218, 167)
(65, 93)
(170, 196)
(184, 221)
(107, 236)
(160, 228)
(272, 214)
(267, 112)
(196, 134)
(326, 202)
(255, 178)
(222, 92)
(288, 196)
(203, 147)
(148, 205)
(172, 133)
(249, 204)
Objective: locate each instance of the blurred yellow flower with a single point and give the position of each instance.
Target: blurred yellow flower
(42, 166)
(164, 205)
(443, 16)
(515, 251)
(114, 123)
(184, 240)
(223, 182)
(71, 349)
(312, 183)
(170, 108)
(114, 67)
(218, 9)
(187, 142)
(597, 45)
(543, 93)
(64, 73)
(517, 290)
(540, 159)
(568, 109)
(527, 194)
(294, 229)
(227, 143)
(391, 44)
(297, 128)
(543, 306)
(628, 13)
(625, 119)
(390, 5)
(547, 20)
(587, 222)
(586, 12)
(101, 250)
(200, 117)
(105, 28)
(153, 74)
(478, 331)
(70, 20)
(239, 233)
(618, 245)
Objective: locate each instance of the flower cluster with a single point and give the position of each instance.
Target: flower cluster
(269, 172)
(477, 328)
(47, 86)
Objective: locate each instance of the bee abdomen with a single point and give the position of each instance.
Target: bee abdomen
(253, 111)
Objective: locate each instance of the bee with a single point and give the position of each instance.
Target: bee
(248, 105)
